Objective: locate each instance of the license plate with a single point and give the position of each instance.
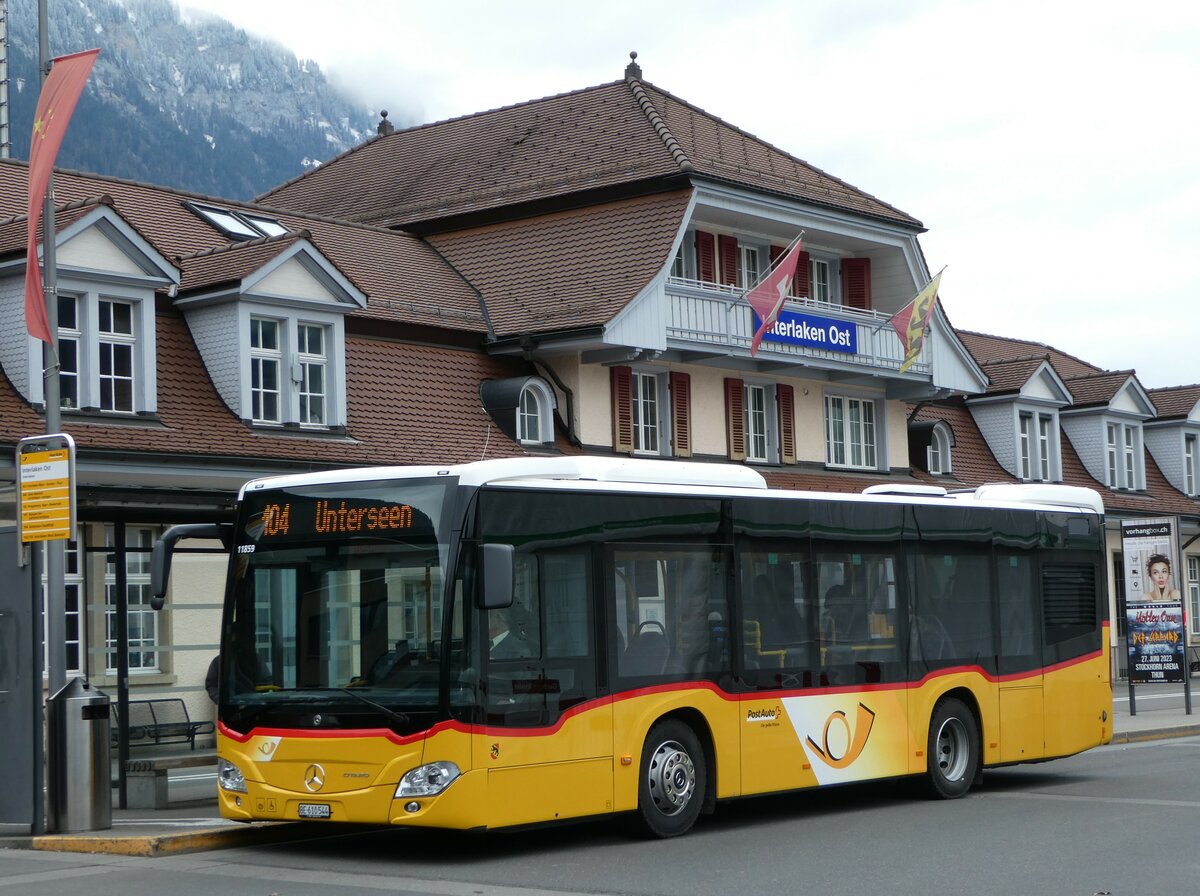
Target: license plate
(313, 810)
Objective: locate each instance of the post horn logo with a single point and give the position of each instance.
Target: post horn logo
(314, 778)
(856, 738)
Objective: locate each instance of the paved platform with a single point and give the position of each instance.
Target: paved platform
(195, 825)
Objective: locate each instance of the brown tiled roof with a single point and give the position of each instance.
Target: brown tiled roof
(231, 263)
(606, 137)
(571, 269)
(409, 404)
(720, 150)
(1097, 388)
(972, 463)
(1011, 376)
(1177, 401)
(830, 482)
(985, 348)
(403, 278)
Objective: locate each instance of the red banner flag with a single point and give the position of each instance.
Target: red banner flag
(768, 295)
(911, 321)
(57, 101)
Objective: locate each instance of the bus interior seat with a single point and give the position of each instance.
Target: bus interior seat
(647, 652)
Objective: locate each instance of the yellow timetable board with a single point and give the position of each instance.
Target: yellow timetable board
(45, 488)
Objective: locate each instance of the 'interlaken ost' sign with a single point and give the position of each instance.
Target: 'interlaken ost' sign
(812, 331)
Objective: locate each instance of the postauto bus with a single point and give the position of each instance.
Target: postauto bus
(529, 640)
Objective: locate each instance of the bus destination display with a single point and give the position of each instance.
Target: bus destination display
(301, 517)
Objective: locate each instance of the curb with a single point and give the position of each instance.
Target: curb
(1134, 737)
(158, 844)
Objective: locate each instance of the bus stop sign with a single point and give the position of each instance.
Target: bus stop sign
(46, 488)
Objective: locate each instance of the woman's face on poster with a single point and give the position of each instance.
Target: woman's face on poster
(1160, 573)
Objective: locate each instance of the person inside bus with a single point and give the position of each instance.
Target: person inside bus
(506, 641)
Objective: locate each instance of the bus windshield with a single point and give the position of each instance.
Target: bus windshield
(335, 605)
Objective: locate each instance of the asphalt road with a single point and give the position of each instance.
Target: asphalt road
(1117, 820)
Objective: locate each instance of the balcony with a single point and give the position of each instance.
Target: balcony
(708, 320)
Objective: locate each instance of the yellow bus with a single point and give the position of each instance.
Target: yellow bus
(520, 641)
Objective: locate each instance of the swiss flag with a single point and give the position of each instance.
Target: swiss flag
(56, 102)
(768, 295)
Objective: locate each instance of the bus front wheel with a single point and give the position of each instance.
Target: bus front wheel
(953, 754)
(672, 782)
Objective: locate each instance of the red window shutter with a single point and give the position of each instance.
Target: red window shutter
(735, 418)
(706, 257)
(681, 414)
(802, 286)
(785, 397)
(727, 248)
(773, 254)
(622, 409)
(856, 283)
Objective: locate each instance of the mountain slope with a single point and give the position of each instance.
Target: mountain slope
(198, 105)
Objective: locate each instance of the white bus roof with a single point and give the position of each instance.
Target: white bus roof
(678, 477)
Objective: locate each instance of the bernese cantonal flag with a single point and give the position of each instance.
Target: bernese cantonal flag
(56, 102)
(768, 295)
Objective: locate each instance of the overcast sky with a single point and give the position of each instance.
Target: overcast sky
(1051, 148)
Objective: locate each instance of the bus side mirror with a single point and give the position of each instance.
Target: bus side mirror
(160, 557)
(497, 591)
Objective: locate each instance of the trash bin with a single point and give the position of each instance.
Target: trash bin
(79, 763)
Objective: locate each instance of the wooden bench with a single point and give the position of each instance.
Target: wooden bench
(163, 720)
(146, 779)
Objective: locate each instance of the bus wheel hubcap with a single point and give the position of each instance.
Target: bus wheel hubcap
(952, 749)
(672, 778)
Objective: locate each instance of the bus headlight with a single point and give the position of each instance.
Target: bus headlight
(230, 777)
(427, 780)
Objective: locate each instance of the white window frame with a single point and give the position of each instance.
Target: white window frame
(750, 264)
(1191, 464)
(114, 346)
(849, 444)
(73, 579)
(535, 414)
(297, 368)
(761, 422)
(264, 358)
(1110, 452)
(646, 412)
(937, 453)
(90, 344)
(1191, 566)
(145, 642)
(1123, 451)
(313, 364)
(1037, 446)
(68, 370)
(820, 281)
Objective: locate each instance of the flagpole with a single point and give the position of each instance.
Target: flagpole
(56, 603)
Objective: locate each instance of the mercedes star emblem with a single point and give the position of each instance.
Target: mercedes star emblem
(314, 778)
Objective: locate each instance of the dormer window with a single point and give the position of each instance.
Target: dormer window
(289, 371)
(1122, 450)
(938, 452)
(238, 225)
(104, 357)
(535, 414)
(1037, 458)
(1191, 474)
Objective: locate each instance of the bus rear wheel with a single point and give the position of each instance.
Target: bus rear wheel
(672, 780)
(953, 749)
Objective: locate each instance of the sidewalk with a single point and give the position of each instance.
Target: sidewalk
(196, 825)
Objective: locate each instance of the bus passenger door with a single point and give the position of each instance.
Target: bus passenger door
(547, 734)
(1022, 719)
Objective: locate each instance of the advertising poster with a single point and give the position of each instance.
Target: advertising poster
(1153, 606)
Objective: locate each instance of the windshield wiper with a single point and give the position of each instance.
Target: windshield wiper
(395, 715)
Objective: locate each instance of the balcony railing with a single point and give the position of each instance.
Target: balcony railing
(706, 316)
